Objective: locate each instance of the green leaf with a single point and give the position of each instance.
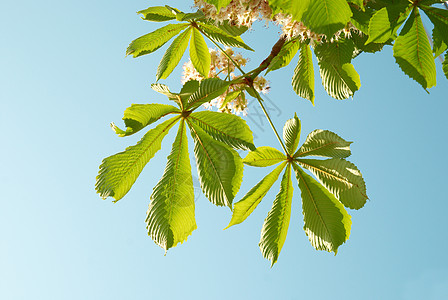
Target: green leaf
(209, 89)
(250, 201)
(386, 21)
(218, 3)
(230, 97)
(341, 178)
(336, 53)
(220, 36)
(263, 157)
(413, 54)
(119, 172)
(295, 8)
(173, 55)
(327, 16)
(327, 224)
(157, 14)
(188, 89)
(275, 227)
(170, 217)
(439, 17)
(324, 143)
(340, 81)
(359, 3)
(199, 54)
(138, 116)
(220, 168)
(152, 41)
(303, 79)
(226, 128)
(164, 90)
(361, 45)
(445, 65)
(285, 55)
(291, 134)
(360, 19)
(233, 30)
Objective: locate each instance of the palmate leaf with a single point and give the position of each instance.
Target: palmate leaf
(439, 17)
(220, 168)
(275, 227)
(303, 78)
(227, 128)
(341, 178)
(327, 16)
(199, 54)
(233, 30)
(170, 217)
(385, 22)
(324, 143)
(250, 201)
(209, 89)
(157, 14)
(118, 172)
(413, 54)
(173, 55)
(138, 116)
(219, 35)
(327, 224)
(188, 89)
(152, 41)
(291, 134)
(286, 54)
(263, 157)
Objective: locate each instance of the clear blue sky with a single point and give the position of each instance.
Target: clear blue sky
(64, 77)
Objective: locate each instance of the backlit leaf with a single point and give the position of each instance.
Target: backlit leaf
(303, 79)
(209, 89)
(219, 35)
(157, 14)
(263, 157)
(291, 134)
(324, 143)
(199, 54)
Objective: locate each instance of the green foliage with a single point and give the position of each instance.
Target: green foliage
(171, 214)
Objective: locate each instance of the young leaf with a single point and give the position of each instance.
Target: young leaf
(327, 224)
(341, 178)
(209, 89)
(164, 90)
(230, 97)
(173, 55)
(157, 14)
(303, 79)
(119, 172)
(138, 116)
(324, 143)
(295, 8)
(263, 157)
(285, 55)
(220, 168)
(199, 54)
(291, 134)
(226, 128)
(327, 16)
(413, 54)
(170, 217)
(152, 41)
(386, 21)
(250, 201)
(219, 35)
(340, 81)
(275, 227)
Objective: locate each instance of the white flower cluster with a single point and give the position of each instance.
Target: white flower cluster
(222, 65)
(246, 12)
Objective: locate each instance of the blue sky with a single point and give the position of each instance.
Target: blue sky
(64, 78)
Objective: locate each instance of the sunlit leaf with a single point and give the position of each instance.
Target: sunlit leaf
(291, 134)
(327, 224)
(157, 14)
(285, 55)
(199, 54)
(250, 201)
(275, 227)
(341, 178)
(119, 172)
(227, 128)
(138, 116)
(324, 143)
(220, 168)
(263, 157)
(219, 35)
(303, 79)
(152, 41)
(170, 217)
(208, 90)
